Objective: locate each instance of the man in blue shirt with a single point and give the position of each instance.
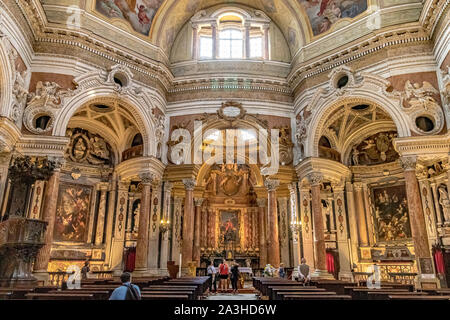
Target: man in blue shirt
(127, 291)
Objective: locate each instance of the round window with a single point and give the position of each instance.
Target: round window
(425, 123)
(342, 82)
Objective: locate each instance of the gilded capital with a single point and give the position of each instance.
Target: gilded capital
(168, 186)
(146, 178)
(408, 163)
(198, 202)
(292, 188)
(261, 202)
(272, 184)
(315, 178)
(189, 184)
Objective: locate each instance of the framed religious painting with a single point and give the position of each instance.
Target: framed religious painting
(390, 213)
(72, 213)
(229, 226)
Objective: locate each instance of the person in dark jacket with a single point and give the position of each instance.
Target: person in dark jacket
(235, 274)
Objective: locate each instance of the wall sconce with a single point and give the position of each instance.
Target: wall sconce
(296, 226)
(164, 225)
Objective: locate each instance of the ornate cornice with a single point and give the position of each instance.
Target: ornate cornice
(356, 51)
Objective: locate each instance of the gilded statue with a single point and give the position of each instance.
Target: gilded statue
(79, 150)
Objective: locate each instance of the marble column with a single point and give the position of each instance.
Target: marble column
(361, 214)
(262, 232)
(204, 226)
(417, 220)
(353, 227)
(153, 234)
(176, 229)
(342, 233)
(165, 235)
(143, 231)
(130, 211)
(247, 26)
(436, 204)
(197, 230)
(188, 223)
(307, 229)
(118, 240)
(195, 42)
(370, 226)
(295, 224)
(315, 180)
(273, 242)
(101, 215)
(283, 228)
(109, 220)
(215, 45)
(266, 51)
(49, 215)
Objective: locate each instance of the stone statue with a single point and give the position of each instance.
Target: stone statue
(79, 150)
(445, 203)
(99, 148)
(355, 156)
(420, 97)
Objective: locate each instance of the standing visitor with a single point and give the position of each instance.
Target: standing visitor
(223, 274)
(211, 271)
(235, 277)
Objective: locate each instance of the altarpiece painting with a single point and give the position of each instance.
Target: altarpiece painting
(72, 213)
(391, 213)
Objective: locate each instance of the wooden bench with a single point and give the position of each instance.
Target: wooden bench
(190, 294)
(97, 294)
(333, 285)
(273, 291)
(318, 297)
(164, 297)
(285, 295)
(418, 297)
(17, 293)
(384, 295)
(59, 296)
(45, 289)
(362, 293)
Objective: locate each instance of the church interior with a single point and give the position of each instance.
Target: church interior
(159, 136)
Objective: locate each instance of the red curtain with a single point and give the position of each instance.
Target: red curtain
(130, 260)
(330, 263)
(439, 261)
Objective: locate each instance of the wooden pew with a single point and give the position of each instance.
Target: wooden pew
(362, 293)
(164, 297)
(273, 290)
(318, 297)
(45, 289)
(190, 294)
(98, 294)
(333, 285)
(59, 296)
(286, 295)
(384, 295)
(417, 297)
(17, 293)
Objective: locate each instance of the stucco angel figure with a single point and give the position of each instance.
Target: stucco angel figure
(420, 97)
(99, 148)
(46, 93)
(445, 203)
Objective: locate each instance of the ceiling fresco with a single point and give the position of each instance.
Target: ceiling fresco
(161, 20)
(138, 13)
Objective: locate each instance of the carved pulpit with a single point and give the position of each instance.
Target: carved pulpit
(21, 238)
